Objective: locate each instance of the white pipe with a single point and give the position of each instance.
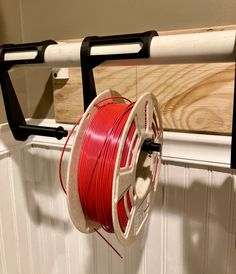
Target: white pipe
(63, 55)
(69, 54)
(206, 47)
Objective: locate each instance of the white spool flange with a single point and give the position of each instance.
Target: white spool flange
(128, 178)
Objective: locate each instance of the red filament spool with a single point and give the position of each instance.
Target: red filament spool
(111, 182)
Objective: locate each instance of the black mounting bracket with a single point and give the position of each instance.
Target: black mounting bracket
(20, 129)
(89, 62)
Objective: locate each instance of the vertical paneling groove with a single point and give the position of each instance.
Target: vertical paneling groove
(39, 202)
(145, 259)
(110, 261)
(59, 215)
(186, 206)
(126, 254)
(207, 217)
(65, 213)
(33, 210)
(164, 246)
(50, 187)
(12, 192)
(67, 259)
(37, 163)
(96, 255)
(51, 183)
(233, 250)
(2, 249)
(7, 217)
(25, 186)
(48, 216)
(230, 225)
(231, 267)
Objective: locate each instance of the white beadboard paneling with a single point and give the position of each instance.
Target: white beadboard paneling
(3, 268)
(191, 230)
(61, 222)
(117, 264)
(231, 267)
(218, 226)
(194, 231)
(18, 188)
(43, 186)
(136, 255)
(102, 254)
(155, 247)
(33, 212)
(175, 201)
(8, 229)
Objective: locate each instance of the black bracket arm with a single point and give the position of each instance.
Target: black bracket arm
(20, 129)
(89, 62)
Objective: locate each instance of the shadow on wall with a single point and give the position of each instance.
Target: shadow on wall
(199, 223)
(38, 183)
(40, 93)
(45, 102)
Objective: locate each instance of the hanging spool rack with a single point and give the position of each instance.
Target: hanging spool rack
(129, 49)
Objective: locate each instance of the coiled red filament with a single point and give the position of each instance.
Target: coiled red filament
(97, 162)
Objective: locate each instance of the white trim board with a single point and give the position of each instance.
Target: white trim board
(210, 150)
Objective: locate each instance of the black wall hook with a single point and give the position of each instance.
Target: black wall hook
(20, 130)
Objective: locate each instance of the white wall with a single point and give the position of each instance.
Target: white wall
(60, 19)
(191, 229)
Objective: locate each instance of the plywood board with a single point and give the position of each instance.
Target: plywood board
(192, 97)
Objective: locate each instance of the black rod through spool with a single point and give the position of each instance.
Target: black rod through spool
(150, 146)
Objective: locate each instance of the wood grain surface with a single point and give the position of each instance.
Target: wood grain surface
(192, 97)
